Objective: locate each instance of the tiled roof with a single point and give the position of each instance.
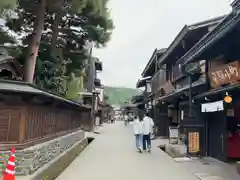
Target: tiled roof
(22, 87)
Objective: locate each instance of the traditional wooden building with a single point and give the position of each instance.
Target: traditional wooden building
(89, 99)
(30, 115)
(91, 84)
(9, 68)
(146, 82)
(170, 86)
(136, 106)
(99, 105)
(39, 124)
(108, 112)
(92, 81)
(218, 106)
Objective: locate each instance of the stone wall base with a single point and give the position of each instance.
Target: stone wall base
(34, 158)
(53, 169)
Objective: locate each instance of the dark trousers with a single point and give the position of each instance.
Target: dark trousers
(146, 141)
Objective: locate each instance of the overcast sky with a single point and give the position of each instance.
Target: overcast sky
(143, 25)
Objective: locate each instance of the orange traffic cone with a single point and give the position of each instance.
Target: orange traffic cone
(10, 169)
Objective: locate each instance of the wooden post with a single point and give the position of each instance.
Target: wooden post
(9, 124)
(22, 127)
(190, 96)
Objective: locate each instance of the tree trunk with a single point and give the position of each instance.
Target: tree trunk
(33, 46)
(55, 27)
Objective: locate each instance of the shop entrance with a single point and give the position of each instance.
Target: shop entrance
(162, 121)
(216, 135)
(223, 133)
(233, 131)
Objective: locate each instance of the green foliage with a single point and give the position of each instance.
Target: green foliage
(73, 87)
(119, 95)
(68, 25)
(7, 4)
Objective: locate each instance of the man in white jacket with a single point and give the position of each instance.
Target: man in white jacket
(147, 130)
(138, 132)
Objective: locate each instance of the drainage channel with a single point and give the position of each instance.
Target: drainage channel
(90, 139)
(162, 147)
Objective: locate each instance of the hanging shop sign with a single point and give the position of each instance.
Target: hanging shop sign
(225, 74)
(182, 114)
(173, 132)
(212, 107)
(227, 99)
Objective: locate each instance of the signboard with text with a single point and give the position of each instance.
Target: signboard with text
(225, 74)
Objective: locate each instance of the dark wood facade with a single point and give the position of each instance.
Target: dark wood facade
(170, 85)
(201, 66)
(29, 115)
(220, 137)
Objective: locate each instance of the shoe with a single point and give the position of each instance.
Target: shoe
(139, 150)
(149, 150)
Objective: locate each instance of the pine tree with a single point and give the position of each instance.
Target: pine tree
(55, 49)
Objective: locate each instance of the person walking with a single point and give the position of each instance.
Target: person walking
(138, 132)
(148, 125)
(125, 119)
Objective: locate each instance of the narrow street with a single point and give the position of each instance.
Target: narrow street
(112, 156)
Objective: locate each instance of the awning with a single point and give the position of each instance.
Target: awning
(220, 90)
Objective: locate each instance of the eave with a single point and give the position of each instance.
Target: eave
(220, 90)
(152, 60)
(227, 24)
(20, 87)
(184, 32)
(142, 82)
(235, 4)
(178, 93)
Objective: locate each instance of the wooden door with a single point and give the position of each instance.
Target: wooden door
(216, 135)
